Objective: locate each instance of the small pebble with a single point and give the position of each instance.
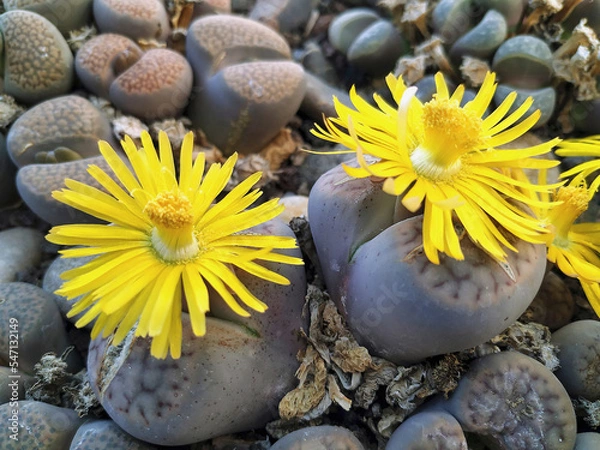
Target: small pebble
(32, 314)
(31, 425)
(21, 251)
(295, 206)
(137, 19)
(38, 63)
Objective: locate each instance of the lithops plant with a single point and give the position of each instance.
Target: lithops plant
(544, 100)
(579, 345)
(451, 19)
(322, 437)
(66, 16)
(221, 384)
(38, 63)
(524, 61)
(157, 86)
(524, 64)
(512, 10)
(380, 256)
(105, 435)
(285, 16)
(104, 57)
(345, 27)
(258, 98)
(185, 253)
(482, 40)
(137, 19)
(36, 323)
(428, 430)
(215, 40)
(58, 130)
(37, 425)
(515, 403)
(451, 300)
(241, 102)
(371, 43)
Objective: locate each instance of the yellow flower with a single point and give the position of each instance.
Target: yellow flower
(444, 156)
(167, 241)
(576, 246)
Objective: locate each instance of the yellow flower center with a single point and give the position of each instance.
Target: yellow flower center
(449, 132)
(173, 235)
(575, 201)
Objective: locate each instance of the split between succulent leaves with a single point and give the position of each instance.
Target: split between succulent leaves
(456, 252)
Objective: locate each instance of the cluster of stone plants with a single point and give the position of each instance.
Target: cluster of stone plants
(398, 344)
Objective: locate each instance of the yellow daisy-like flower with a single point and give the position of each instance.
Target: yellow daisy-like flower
(574, 247)
(443, 156)
(583, 237)
(167, 241)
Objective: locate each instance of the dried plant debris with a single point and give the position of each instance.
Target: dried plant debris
(280, 148)
(57, 386)
(576, 61)
(531, 339)
(541, 10)
(311, 390)
(412, 68)
(589, 411)
(85, 401)
(176, 130)
(80, 36)
(128, 125)
(335, 369)
(105, 107)
(473, 70)
(10, 110)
